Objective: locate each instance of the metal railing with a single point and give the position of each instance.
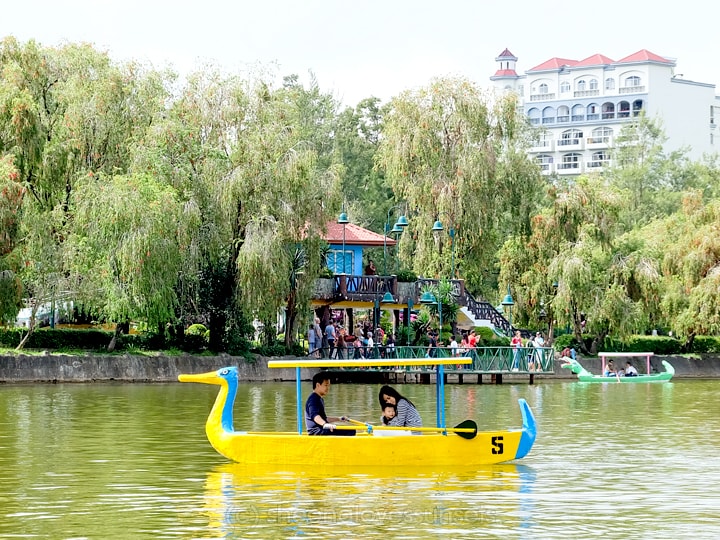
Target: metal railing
(485, 359)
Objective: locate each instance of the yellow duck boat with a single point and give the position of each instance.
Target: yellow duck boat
(437, 446)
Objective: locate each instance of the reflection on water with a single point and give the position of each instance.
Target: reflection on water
(383, 500)
(132, 461)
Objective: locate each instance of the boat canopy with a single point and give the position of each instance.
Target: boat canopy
(439, 364)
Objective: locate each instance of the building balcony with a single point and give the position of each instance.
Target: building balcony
(594, 143)
(565, 145)
(598, 165)
(542, 97)
(542, 146)
(547, 169)
(570, 168)
(632, 90)
(586, 93)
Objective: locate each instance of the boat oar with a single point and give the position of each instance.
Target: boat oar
(466, 429)
(358, 422)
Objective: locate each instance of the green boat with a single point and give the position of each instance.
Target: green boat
(585, 376)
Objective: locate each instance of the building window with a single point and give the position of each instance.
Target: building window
(599, 159)
(548, 115)
(544, 140)
(563, 114)
(633, 81)
(564, 87)
(637, 107)
(608, 111)
(570, 161)
(593, 112)
(593, 84)
(578, 113)
(543, 88)
(570, 137)
(335, 262)
(609, 84)
(545, 162)
(601, 135)
(623, 110)
(534, 116)
(581, 85)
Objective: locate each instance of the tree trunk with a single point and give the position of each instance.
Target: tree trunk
(290, 318)
(32, 325)
(116, 335)
(31, 329)
(687, 346)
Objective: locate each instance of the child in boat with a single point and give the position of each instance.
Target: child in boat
(389, 412)
(630, 370)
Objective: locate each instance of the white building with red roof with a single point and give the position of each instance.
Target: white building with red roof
(581, 106)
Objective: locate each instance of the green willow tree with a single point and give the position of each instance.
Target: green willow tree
(454, 153)
(685, 248)
(357, 138)
(282, 192)
(568, 264)
(11, 196)
(64, 112)
(126, 248)
(188, 148)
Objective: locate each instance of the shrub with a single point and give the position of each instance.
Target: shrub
(706, 344)
(566, 340)
(325, 272)
(655, 344)
(406, 276)
(196, 338)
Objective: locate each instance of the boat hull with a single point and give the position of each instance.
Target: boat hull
(587, 377)
(444, 447)
(364, 449)
(658, 377)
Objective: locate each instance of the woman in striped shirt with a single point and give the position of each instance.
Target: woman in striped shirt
(407, 415)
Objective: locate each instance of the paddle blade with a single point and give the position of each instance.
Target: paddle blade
(467, 424)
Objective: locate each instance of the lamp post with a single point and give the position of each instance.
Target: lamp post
(400, 224)
(387, 298)
(438, 227)
(429, 298)
(343, 220)
(508, 303)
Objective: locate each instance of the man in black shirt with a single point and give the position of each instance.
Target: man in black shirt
(316, 421)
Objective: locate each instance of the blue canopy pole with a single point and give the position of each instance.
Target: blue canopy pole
(441, 396)
(298, 391)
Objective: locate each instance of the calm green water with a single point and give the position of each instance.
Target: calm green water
(131, 461)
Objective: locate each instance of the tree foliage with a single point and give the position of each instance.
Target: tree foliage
(452, 152)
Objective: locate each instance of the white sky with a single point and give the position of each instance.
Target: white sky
(358, 49)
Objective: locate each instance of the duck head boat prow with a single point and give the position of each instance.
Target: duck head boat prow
(440, 448)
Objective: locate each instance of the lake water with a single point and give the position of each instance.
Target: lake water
(102, 461)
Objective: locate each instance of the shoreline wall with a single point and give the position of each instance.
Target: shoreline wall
(127, 368)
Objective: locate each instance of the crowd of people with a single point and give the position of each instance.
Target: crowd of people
(334, 341)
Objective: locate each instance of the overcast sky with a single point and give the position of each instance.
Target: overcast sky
(358, 49)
